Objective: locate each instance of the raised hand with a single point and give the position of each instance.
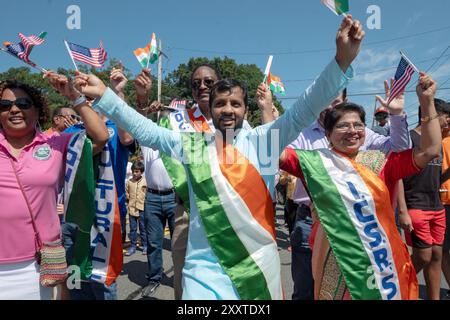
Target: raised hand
(118, 80)
(348, 42)
(265, 103)
(89, 85)
(143, 85)
(426, 89)
(264, 97)
(63, 85)
(397, 104)
(155, 106)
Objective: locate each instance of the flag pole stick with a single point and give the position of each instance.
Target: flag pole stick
(34, 65)
(409, 61)
(159, 71)
(149, 55)
(267, 70)
(70, 54)
(373, 115)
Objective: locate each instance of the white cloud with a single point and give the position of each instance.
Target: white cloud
(374, 80)
(372, 59)
(442, 72)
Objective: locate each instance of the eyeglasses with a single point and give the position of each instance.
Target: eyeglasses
(21, 103)
(197, 83)
(346, 126)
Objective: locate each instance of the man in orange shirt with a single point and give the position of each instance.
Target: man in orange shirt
(445, 199)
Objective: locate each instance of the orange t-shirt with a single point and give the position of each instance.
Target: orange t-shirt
(445, 187)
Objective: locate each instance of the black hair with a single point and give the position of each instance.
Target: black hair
(57, 111)
(333, 116)
(218, 75)
(138, 165)
(441, 106)
(36, 96)
(227, 85)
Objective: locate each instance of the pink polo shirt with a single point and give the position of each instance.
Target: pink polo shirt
(40, 167)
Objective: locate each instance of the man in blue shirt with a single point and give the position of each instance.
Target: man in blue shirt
(204, 274)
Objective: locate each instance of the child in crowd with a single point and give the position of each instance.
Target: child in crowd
(135, 190)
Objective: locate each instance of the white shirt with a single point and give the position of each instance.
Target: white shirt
(155, 173)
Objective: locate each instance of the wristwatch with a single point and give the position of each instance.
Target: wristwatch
(79, 101)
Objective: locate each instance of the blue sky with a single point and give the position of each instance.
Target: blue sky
(300, 34)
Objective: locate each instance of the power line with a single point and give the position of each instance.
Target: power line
(304, 51)
(370, 71)
(359, 94)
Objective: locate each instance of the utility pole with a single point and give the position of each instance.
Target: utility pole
(159, 70)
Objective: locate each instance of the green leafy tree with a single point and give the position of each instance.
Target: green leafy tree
(175, 85)
(178, 81)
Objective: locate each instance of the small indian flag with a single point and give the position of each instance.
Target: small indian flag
(153, 49)
(142, 54)
(149, 54)
(337, 6)
(275, 84)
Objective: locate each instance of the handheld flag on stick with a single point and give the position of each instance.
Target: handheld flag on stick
(153, 55)
(402, 77)
(95, 57)
(337, 6)
(178, 104)
(267, 70)
(149, 54)
(275, 84)
(23, 49)
(143, 54)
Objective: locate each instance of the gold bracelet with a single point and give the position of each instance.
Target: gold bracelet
(428, 118)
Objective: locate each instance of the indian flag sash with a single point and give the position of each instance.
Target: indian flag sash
(79, 197)
(237, 214)
(191, 120)
(106, 235)
(354, 209)
(92, 205)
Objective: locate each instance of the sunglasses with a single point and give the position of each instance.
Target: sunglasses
(21, 103)
(197, 83)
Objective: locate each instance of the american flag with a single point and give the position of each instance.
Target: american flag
(23, 49)
(401, 79)
(95, 57)
(29, 42)
(178, 104)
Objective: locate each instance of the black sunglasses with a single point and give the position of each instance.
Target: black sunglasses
(21, 103)
(197, 83)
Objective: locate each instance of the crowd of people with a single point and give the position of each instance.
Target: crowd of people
(207, 174)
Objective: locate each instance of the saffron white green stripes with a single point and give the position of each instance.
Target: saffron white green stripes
(249, 255)
(347, 212)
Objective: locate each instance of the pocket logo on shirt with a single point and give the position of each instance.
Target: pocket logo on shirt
(111, 132)
(42, 153)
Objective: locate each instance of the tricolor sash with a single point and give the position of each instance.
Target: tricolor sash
(236, 211)
(92, 205)
(79, 197)
(106, 234)
(355, 211)
(182, 121)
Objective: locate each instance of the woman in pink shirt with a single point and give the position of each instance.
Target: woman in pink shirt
(39, 161)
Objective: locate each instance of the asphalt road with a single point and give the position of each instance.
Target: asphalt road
(132, 279)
